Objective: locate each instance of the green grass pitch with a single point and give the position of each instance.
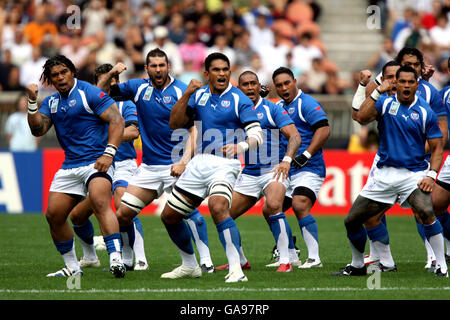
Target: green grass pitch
(27, 254)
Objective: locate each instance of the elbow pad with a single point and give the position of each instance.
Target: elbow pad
(253, 130)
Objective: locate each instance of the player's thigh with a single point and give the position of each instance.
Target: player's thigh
(422, 205)
(240, 204)
(441, 198)
(274, 193)
(362, 210)
(81, 212)
(59, 207)
(100, 194)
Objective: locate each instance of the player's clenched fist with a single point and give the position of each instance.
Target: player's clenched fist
(194, 84)
(32, 91)
(364, 77)
(118, 68)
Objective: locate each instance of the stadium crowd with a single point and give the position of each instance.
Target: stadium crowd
(252, 35)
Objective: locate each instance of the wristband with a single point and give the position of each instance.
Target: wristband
(110, 150)
(432, 174)
(362, 85)
(307, 154)
(32, 107)
(375, 94)
(244, 145)
(287, 159)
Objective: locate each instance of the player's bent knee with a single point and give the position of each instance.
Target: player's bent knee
(222, 189)
(54, 218)
(273, 206)
(179, 204)
(132, 202)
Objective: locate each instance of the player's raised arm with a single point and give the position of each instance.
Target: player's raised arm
(104, 83)
(178, 116)
(360, 94)
(38, 122)
(116, 127)
(367, 112)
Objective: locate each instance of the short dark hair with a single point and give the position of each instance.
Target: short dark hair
(246, 73)
(215, 56)
(281, 70)
(388, 64)
(55, 61)
(410, 51)
(102, 69)
(407, 69)
(157, 52)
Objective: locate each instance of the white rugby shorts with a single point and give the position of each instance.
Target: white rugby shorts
(305, 179)
(73, 180)
(205, 169)
(154, 177)
(391, 185)
(444, 174)
(254, 186)
(125, 170)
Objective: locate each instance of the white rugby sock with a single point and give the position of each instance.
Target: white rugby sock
(127, 251)
(311, 244)
(437, 242)
(138, 247)
(430, 252)
(384, 253)
(70, 259)
(242, 258)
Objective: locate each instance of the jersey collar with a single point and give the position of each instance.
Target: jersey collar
(172, 79)
(412, 104)
(75, 81)
(225, 91)
(258, 103)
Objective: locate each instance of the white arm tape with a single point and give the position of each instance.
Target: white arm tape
(287, 159)
(32, 107)
(244, 145)
(253, 130)
(375, 94)
(432, 174)
(359, 97)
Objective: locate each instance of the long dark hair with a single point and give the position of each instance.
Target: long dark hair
(55, 61)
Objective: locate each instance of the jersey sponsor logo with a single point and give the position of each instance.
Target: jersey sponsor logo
(414, 116)
(393, 109)
(148, 93)
(167, 99)
(291, 110)
(260, 115)
(203, 99)
(54, 105)
(72, 102)
(225, 103)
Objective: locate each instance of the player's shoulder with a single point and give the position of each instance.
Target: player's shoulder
(135, 82)
(243, 99)
(47, 99)
(445, 93)
(307, 100)
(179, 84)
(428, 85)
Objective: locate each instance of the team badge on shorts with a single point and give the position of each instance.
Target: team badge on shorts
(394, 108)
(225, 103)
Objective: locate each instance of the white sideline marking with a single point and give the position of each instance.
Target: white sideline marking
(184, 290)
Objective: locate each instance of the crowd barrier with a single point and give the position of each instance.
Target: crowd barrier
(25, 179)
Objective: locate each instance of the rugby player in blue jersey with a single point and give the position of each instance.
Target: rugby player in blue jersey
(222, 113)
(161, 164)
(89, 128)
(266, 172)
(307, 171)
(125, 168)
(402, 173)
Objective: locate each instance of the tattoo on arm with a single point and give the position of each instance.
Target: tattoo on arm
(40, 127)
(111, 115)
(293, 144)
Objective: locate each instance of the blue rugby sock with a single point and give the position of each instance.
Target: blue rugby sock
(380, 241)
(85, 233)
(198, 227)
(278, 225)
(310, 233)
(181, 237)
(231, 239)
(67, 251)
(358, 244)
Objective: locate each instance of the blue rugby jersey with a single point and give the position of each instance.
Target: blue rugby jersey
(129, 113)
(81, 133)
(153, 109)
(403, 131)
(306, 111)
(432, 96)
(220, 118)
(272, 118)
(445, 94)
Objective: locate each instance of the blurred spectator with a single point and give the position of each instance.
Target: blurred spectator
(194, 10)
(290, 64)
(256, 65)
(146, 23)
(313, 80)
(162, 41)
(260, 34)
(192, 50)
(299, 11)
(21, 49)
(274, 56)
(86, 72)
(385, 54)
(304, 52)
(10, 22)
(316, 9)
(31, 70)
(5, 68)
(17, 129)
(134, 45)
(243, 51)
(402, 22)
(105, 50)
(50, 45)
(13, 83)
(412, 35)
(188, 73)
(39, 27)
(221, 45)
(440, 34)
(226, 14)
(116, 31)
(95, 17)
(176, 28)
(366, 140)
(256, 9)
(205, 30)
(74, 50)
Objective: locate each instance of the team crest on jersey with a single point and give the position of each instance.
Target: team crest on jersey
(225, 103)
(167, 99)
(54, 106)
(148, 93)
(72, 102)
(291, 110)
(260, 115)
(414, 116)
(394, 108)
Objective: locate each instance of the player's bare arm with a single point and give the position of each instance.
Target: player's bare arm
(178, 116)
(177, 169)
(443, 125)
(294, 141)
(436, 146)
(116, 126)
(360, 94)
(367, 112)
(38, 122)
(104, 83)
(130, 133)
